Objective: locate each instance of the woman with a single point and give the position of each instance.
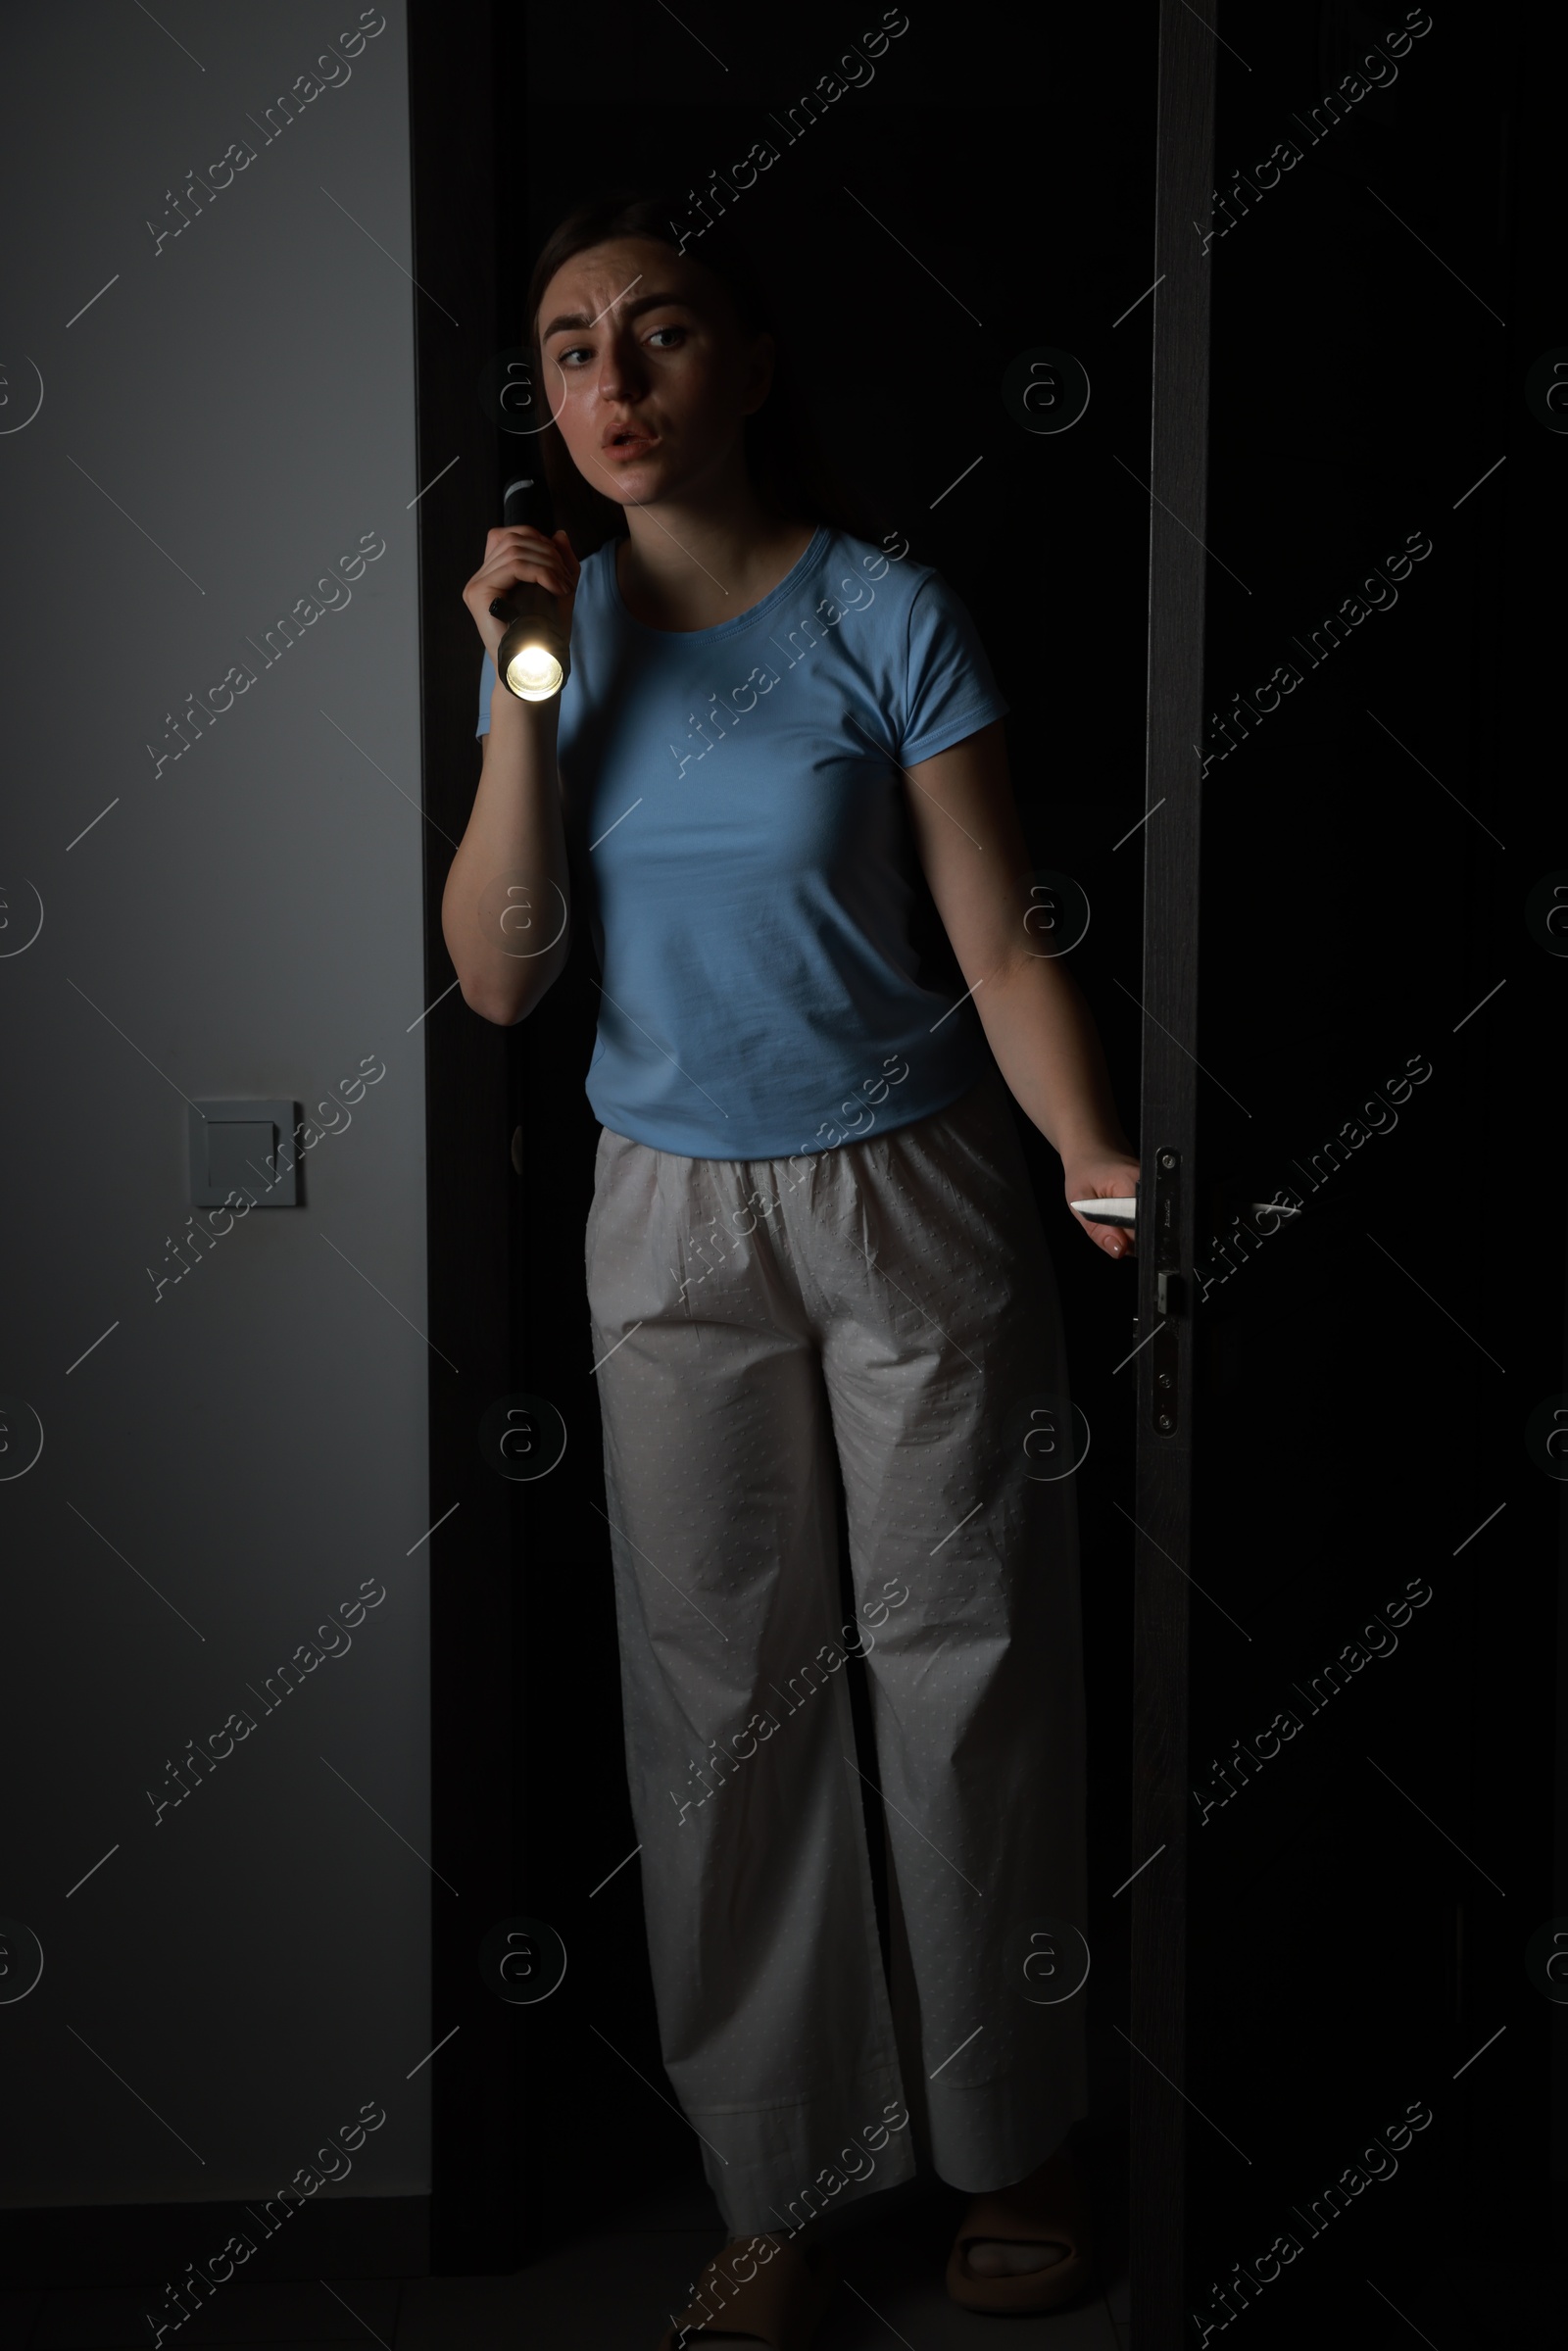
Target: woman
(811, 1229)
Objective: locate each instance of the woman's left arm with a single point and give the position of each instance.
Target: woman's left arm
(1039, 1029)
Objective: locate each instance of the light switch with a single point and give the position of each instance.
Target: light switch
(236, 1152)
(235, 1147)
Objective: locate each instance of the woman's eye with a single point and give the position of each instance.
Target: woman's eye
(665, 330)
(572, 351)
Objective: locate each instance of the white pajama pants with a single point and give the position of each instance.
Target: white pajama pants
(893, 1298)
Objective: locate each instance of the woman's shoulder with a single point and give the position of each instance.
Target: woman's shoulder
(894, 572)
(884, 563)
(888, 562)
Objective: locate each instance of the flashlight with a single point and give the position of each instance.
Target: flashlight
(532, 656)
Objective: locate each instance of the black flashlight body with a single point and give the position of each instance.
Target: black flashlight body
(531, 615)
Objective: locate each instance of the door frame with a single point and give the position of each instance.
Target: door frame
(1167, 1131)
(462, 70)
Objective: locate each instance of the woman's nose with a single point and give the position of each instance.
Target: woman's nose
(619, 376)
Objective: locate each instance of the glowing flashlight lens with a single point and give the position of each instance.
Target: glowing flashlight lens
(534, 673)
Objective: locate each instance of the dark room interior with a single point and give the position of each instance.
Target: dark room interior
(1212, 361)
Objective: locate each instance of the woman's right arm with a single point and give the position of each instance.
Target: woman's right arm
(503, 911)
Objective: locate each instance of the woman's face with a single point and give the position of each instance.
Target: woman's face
(648, 373)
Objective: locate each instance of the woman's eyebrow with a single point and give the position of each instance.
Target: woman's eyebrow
(578, 320)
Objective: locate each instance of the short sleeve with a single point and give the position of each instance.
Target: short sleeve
(950, 691)
(487, 679)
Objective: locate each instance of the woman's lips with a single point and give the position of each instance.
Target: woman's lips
(637, 446)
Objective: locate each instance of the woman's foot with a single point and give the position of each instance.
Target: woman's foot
(733, 2262)
(762, 2290)
(1025, 2247)
(1000, 2257)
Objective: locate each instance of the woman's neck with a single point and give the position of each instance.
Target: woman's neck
(689, 567)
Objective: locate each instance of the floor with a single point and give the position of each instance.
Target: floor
(610, 2292)
(614, 2291)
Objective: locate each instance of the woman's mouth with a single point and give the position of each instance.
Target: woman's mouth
(628, 441)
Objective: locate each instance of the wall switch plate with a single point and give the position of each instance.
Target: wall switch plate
(234, 1148)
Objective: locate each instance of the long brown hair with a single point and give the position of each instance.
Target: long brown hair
(790, 468)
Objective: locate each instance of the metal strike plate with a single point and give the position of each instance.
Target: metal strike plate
(1169, 1293)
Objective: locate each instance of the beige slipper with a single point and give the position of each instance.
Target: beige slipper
(1047, 2208)
(759, 2292)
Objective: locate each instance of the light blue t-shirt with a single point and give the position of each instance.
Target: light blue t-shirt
(739, 841)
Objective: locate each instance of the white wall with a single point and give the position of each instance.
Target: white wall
(246, 1448)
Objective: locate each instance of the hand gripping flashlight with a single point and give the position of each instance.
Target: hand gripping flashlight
(532, 656)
